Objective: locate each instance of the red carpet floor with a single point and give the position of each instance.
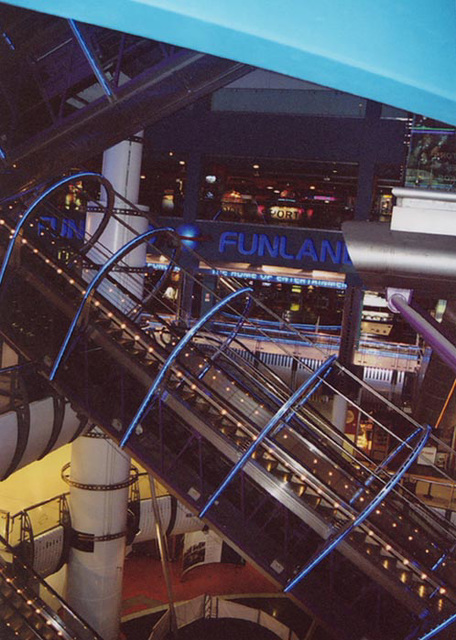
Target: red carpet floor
(144, 586)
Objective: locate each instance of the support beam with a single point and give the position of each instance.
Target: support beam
(401, 53)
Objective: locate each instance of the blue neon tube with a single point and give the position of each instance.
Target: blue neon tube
(266, 430)
(443, 557)
(385, 462)
(228, 341)
(29, 211)
(2, 154)
(93, 284)
(333, 542)
(91, 59)
(171, 265)
(173, 355)
(443, 625)
(304, 400)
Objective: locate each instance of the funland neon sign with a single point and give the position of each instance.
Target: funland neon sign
(262, 245)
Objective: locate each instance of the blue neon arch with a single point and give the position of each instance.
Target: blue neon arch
(129, 246)
(334, 541)
(273, 422)
(31, 209)
(172, 357)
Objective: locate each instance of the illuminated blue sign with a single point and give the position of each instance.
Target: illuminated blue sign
(66, 227)
(270, 277)
(262, 245)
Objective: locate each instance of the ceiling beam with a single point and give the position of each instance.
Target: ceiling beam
(399, 53)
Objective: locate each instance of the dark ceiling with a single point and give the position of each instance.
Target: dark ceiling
(55, 113)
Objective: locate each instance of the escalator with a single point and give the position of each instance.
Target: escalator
(330, 525)
(30, 609)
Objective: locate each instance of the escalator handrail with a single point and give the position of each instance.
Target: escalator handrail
(31, 209)
(231, 336)
(99, 276)
(415, 505)
(333, 541)
(172, 357)
(37, 578)
(404, 415)
(272, 423)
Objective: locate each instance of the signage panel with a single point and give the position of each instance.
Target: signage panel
(255, 244)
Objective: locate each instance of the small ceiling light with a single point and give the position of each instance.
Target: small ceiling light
(255, 166)
(182, 162)
(312, 187)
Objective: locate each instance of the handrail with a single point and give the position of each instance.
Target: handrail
(343, 533)
(443, 625)
(25, 217)
(173, 355)
(62, 604)
(93, 284)
(286, 407)
(232, 336)
(384, 464)
(347, 452)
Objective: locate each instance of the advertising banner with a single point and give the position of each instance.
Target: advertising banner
(431, 162)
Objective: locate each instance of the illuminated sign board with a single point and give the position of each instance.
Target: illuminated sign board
(301, 248)
(270, 277)
(263, 245)
(66, 227)
(286, 213)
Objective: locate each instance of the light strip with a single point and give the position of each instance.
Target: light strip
(304, 400)
(2, 154)
(385, 462)
(173, 355)
(242, 318)
(91, 59)
(31, 208)
(443, 557)
(95, 281)
(333, 542)
(267, 429)
(443, 625)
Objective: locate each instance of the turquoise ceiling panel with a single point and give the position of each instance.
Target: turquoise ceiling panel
(399, 52)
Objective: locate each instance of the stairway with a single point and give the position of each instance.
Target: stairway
(391, 574)
(30, 609)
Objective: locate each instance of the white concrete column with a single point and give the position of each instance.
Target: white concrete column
(99, 479)
(122, 167)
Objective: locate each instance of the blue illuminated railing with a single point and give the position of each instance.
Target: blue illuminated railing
(384, 464)
(287, 407)
(232, 336)
(171, 266)
(32, 208)
(172, 357)
(115, 258)
(436, 630)
(345, 531)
